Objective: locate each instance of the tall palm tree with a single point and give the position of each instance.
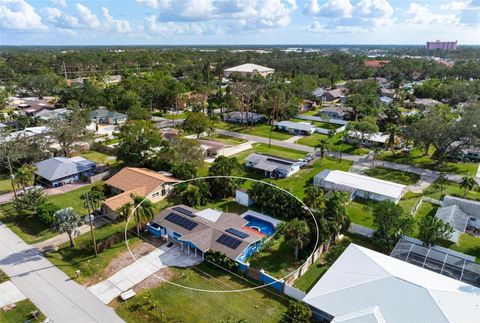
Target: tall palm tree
(125, 211)
(25, 175)
(297, 233)
(467, 184)
(314, 197)
(377, 154)
(324, 146)
(67, 221)
(144, 211)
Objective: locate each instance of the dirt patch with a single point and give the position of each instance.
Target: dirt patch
(154, 280)
(139, 249)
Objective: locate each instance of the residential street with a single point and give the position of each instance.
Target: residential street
(51, 290)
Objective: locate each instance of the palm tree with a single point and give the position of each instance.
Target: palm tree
(467, 184)
(377, 154)
(143, 211)
(125, 211)
(314, 197)
(393, 130)
(324, 146)
(67, 221)
(336, 212)
(297, 233)
(25, 175)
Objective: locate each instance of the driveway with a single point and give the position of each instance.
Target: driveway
(50, 289)
(141, 269)
(9, 294)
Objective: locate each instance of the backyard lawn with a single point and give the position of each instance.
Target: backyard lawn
(225, 139)
(437, 191)
(261, 130)
(179, 116)
(272, 150)
(71, 199)
(185, 305)
(336, 144)
(82, 258)
(360, 212)
(277, 260)
(416, 158)
(21, 313)
(468, 244)
(99, 158)
(5, 184)
(393, 175)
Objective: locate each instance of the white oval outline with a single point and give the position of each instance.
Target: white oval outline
(234, 290)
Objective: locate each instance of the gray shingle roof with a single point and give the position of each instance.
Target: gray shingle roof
(469, 207)
(453, 216)
(59, 167)
(104, 113)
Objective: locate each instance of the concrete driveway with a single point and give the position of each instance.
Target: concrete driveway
(141, 269)
(9, 294)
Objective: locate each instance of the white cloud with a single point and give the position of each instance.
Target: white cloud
(87, 17)
(18, 14)
(60, 19)
(470, 15)
(423, 15)
(155, 4)
(62, 3)
(455, 5)
(379, 12)
(331, 8)
(117, 25)
(170, 28)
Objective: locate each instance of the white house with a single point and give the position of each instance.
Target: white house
(361, 186)
(249, 69)
(366, 286)
(369, 140)
(296, 128)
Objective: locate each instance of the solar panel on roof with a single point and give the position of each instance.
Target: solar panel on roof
(183, 211)
(181, 221)
(237, 233)
(229, 241)
(278, 161)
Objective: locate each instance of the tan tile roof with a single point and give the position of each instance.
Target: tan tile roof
(117, 201)
(130, 178)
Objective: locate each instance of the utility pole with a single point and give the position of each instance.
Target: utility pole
(65, 70)
(87, 201)
(11, 175)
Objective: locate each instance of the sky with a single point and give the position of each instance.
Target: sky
(225, 22)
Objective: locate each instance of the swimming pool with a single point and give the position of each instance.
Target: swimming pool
(263, 226)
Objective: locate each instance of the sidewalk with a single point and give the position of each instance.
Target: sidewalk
(54, 293)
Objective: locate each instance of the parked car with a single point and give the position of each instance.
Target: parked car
(408, 149)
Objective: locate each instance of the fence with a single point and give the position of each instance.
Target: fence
(98, 177)
(361, 230)
(293, 292)
(424, 199)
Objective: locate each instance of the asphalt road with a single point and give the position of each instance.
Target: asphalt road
(50, 289)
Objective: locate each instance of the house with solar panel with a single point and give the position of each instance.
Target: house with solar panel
(272, 166)
(236, 236)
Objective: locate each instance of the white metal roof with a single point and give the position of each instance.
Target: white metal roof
(375, 137)
(249, 68)
(296, 125)
(362, 279)
(362, 182)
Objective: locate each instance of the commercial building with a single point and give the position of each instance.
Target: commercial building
(361, 186)
(249, 69)
(442, 45)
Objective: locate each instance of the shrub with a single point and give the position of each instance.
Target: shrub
(221, 260)
(298, 312)
(45, 212)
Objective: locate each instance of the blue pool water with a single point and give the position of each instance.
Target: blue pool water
(264, 227)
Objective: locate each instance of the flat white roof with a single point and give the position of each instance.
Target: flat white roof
(209, 214)
(375, 137)
(362, 279)
(296, 125)
(362, 182)
(249, 68)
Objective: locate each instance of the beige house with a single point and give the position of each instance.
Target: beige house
(136, 181)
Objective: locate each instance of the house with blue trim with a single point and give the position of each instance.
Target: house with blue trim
(200, 231)
(59, 171)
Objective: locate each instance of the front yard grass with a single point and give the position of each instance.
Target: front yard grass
(185, 305)
(272, 150)
(99, 158)
(393, 175)
(225, 139)
(261, 130)
(5, 184)
(21, 313)
(172, 116)
(72, 199)
(336, 144)
(82, 257)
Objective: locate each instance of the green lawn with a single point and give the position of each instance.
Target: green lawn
(468, 244)
(320, 267)
(393, 175)
(5, 184)
(336, 144)
(71, 199)
(226, 205)
(225, 139)
(310, 113)
(437, 191)
(82, 258)
(29, 229)
(360, 212)
(426, 208)
(277, 260)
(272, 150)
(21, 313)
(99, 158)
(179, 116)
(261, 130)
(184, 305)
(416, 158)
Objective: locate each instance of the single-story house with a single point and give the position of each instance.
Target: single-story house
(32, 106)
(249, 69)
(375, 63)
(363, 285)
(335, 94)
(378, 139)
(212, 148)
(387, 92)
(471, 153)
(169, 133)
(58, 171)
(245, 117)
(104, 116)
(335, 112)
(52, 114)
(296, 128)
(200, 231)
(136, 181)
(462, 214)
(307, 105)
(381, 81)
(426, 103)
(361, 186)
(25, 133)
(386, 99)
(318, 93)
(272, 166)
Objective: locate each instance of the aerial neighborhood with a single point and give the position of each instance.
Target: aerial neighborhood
(261, 184)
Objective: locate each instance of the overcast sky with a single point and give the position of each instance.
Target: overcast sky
(164, 22)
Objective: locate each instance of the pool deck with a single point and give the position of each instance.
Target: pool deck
(262, 216)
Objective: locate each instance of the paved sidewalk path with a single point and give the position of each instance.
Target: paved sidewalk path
(294, 139)
(9, 294)
(50, 289)
(139, 270)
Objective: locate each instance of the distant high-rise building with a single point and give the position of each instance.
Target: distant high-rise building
(443, 45)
